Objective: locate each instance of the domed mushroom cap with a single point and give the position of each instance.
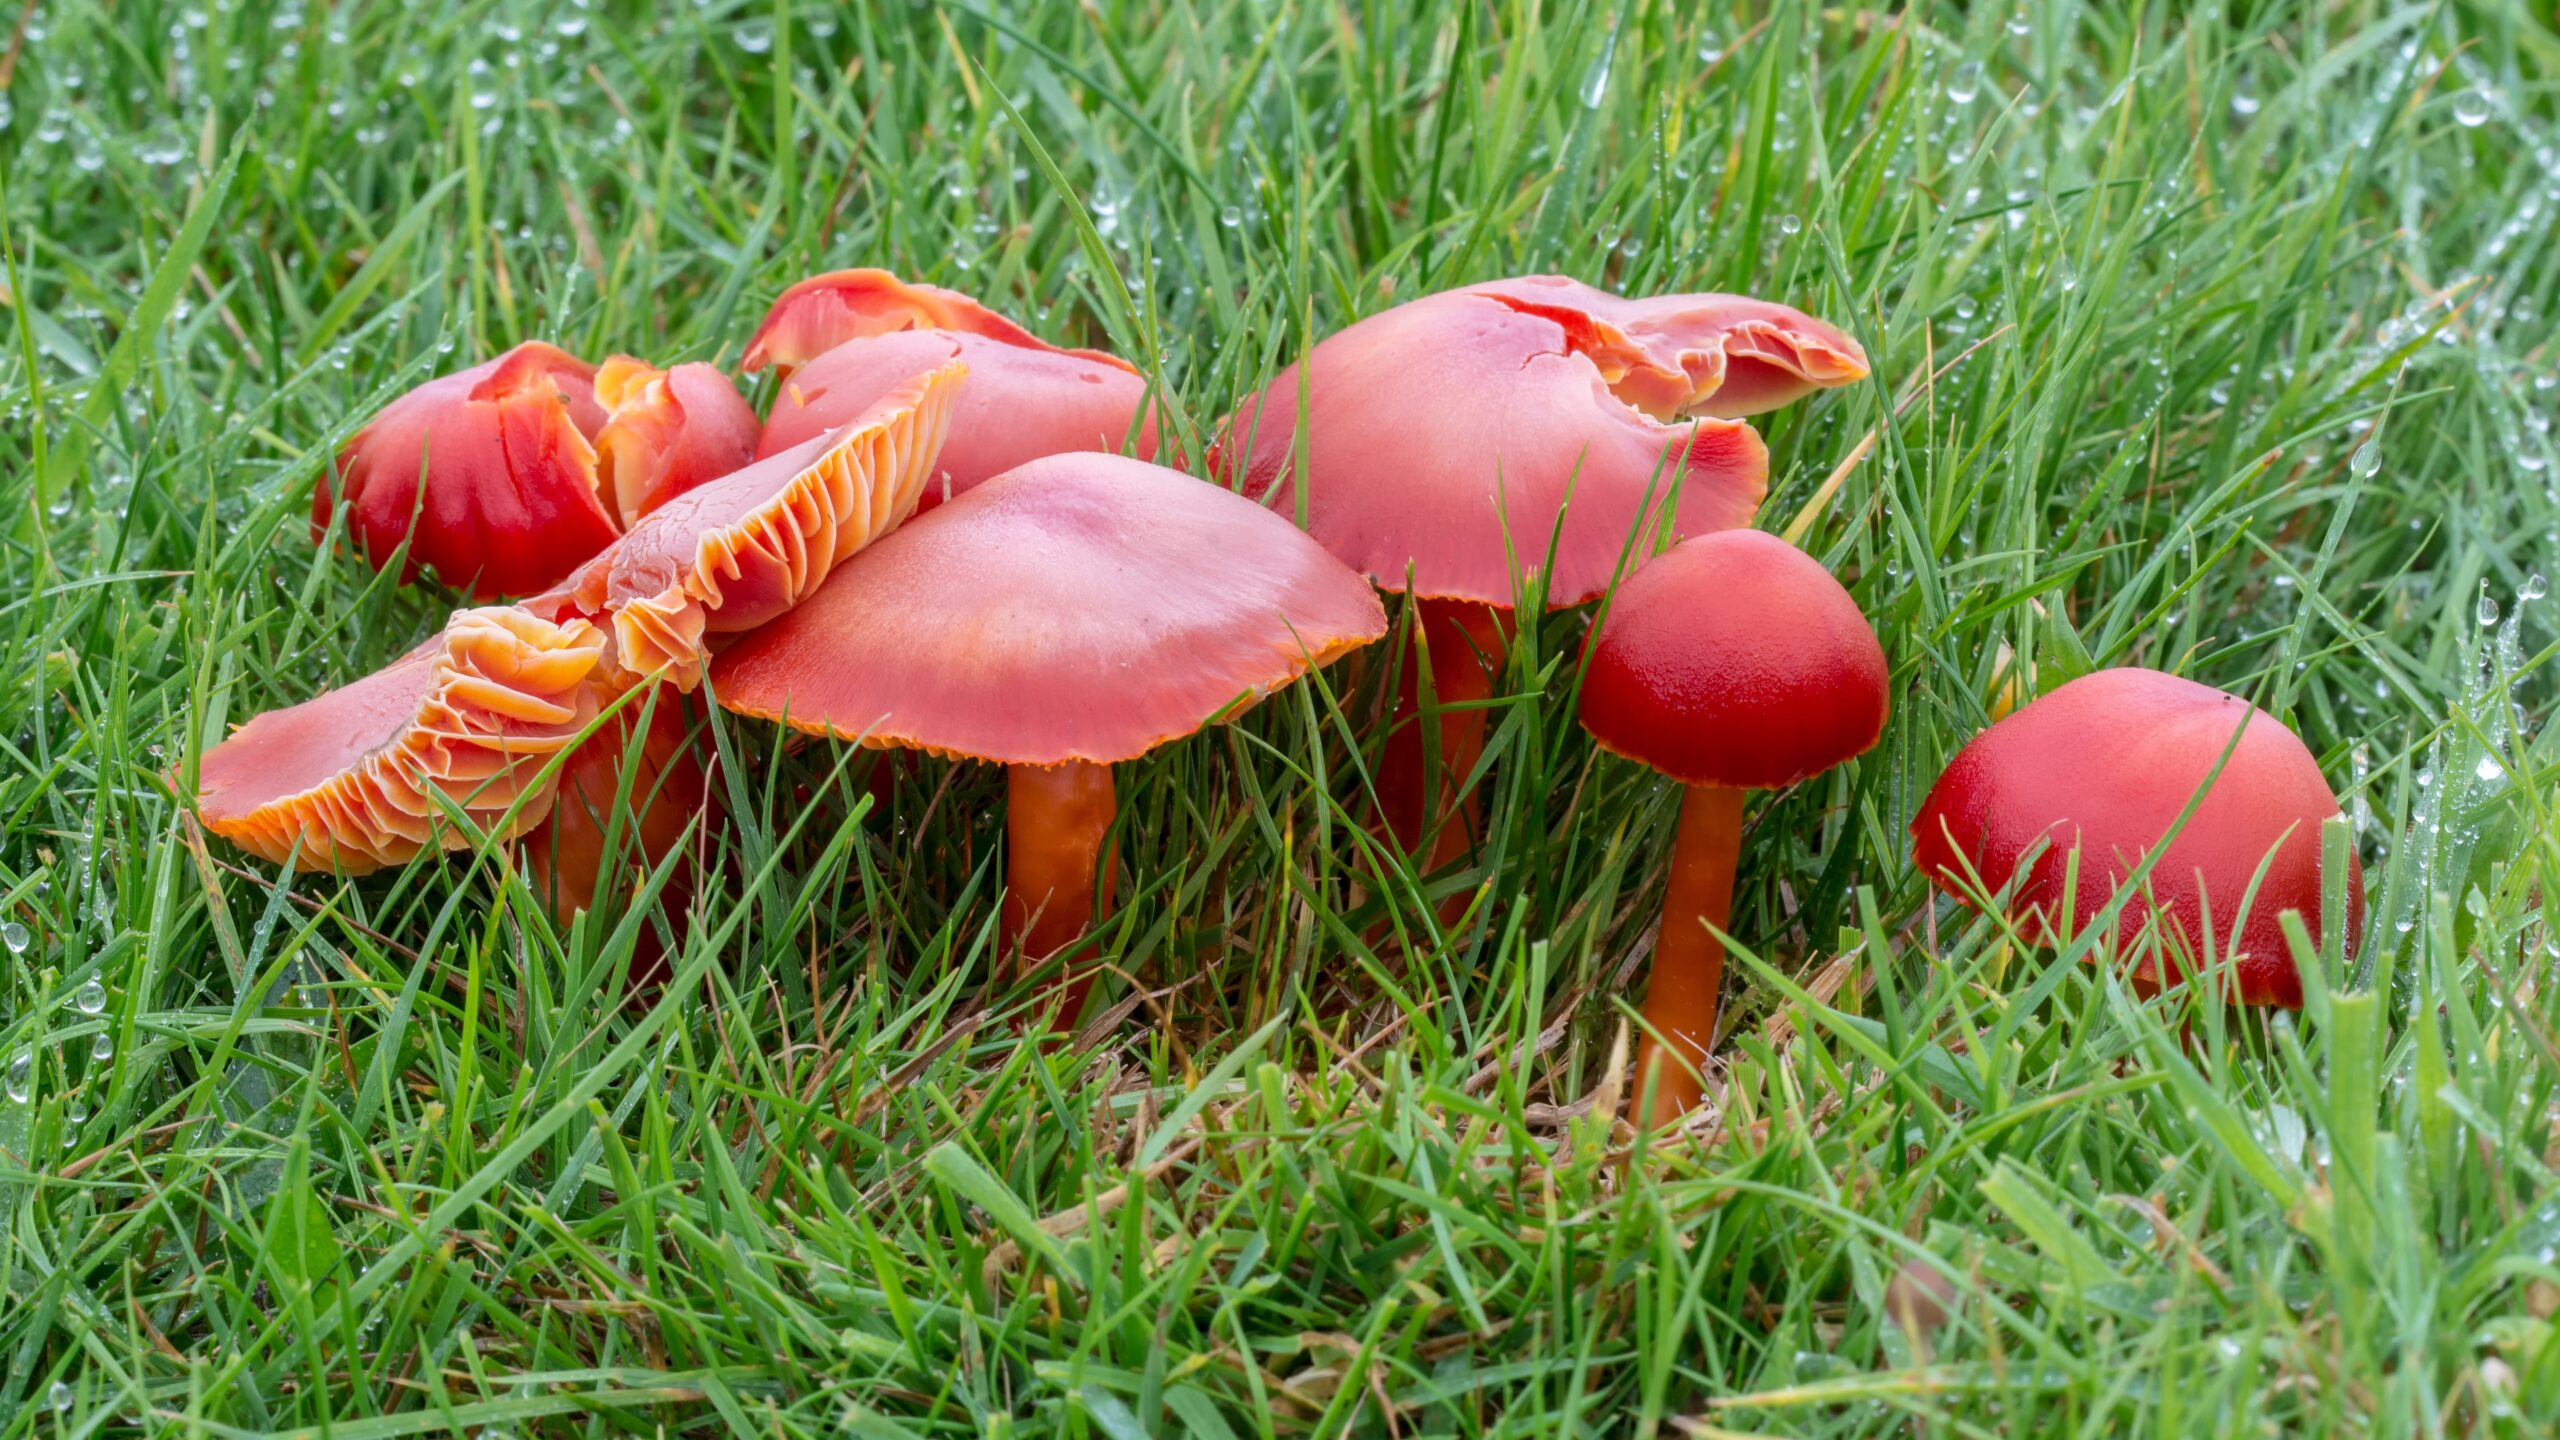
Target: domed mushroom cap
(1081, 607)
(666, 432)
(825, 311)
(1734, 660)
(1018, 404)
(2107, 763)
(731, 555)
(502, 452)
(1438, 428)
(353, 776)
(1708, 354)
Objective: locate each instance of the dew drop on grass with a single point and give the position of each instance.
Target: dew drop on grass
(14, 935)
(755, 39)
(2489, 769)
(91, 997)
(1231, 217)
(2488, 610)
(102, 1047)
(1789, 224)
(2471, 109)
(2018, 23)
(22, 1076)
(2534, 587)
(60, 1396)
(1709, 50)
(2366, 462)
(2243, 104)
(1964, 82)
(1965, 307)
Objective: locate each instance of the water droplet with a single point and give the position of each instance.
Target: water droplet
(1789, 224)
(14, 935)
(22, 1076)
(91, 997)
(1964, 82)
(2534, 587)
(2018, 24)
(1231, 217)
(2471, 109)
(1965, 307)
(2489, 769)
(2243, 104)
(102, 1046)
(755, 39)
(2367, 461)
(2488, 609)
(60, 1396)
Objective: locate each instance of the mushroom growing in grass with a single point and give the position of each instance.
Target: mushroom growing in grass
(1730, 663)
(2105, 765)
(825, 311)
(1528, 427)
(505, 476)
(364, 775)
(726, 557)
(633, 790)
(1062, 618)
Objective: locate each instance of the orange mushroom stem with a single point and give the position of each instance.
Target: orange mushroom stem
(1463, 644)
(1057, 838)
(1682, 999)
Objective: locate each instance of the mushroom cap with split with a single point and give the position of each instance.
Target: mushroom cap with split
(1451, 441)
(1081, 607)
(1734, 660)
(825, 311)
(2107, 763)
(1018, 404)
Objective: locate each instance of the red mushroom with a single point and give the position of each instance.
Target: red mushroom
(729, 556)
(1061, 618)
(825, 311)
(359, 777)
(1730, 663)
(1451, 439)
(657, 790)
(491, 474)
(1019, 402)
(2105, 765)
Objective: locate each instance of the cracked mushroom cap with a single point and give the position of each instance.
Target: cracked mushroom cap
(1673, 355)
(1450, 433)
(735, 553)
(502, 453)
(1734, 660)
(1018, 404)
(359, 777)
(1081, 607)
(529, 464)
(667, 432)
(2107, 762)
(825, 311)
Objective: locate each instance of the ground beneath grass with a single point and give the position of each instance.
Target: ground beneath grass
(2216, 339)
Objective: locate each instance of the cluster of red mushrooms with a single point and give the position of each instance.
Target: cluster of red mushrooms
(949, 536)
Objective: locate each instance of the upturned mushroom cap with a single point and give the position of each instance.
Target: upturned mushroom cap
(502, 452)
(1081, 607)
(666, 432)
(1018, 403)
(733, 554)
(1443, 430)
(2107, 763)
(825, 311)
(353, 777)
(1672, 355)
(1734, 660)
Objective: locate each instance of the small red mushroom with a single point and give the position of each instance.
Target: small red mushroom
(1018, 404)
(1061, 618)
(825, 311)
(1450, 441)
(2105, 765)
(1730, 663)
(359, 777)
(491, 475)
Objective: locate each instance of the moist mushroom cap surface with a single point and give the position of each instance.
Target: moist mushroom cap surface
(1440, 427)
(1018, 403)
(666, 432)
(1080, 607)
(1734, 660)
(2108, 761)
(502, 451)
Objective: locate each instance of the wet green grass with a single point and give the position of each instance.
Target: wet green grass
(400, 1156)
